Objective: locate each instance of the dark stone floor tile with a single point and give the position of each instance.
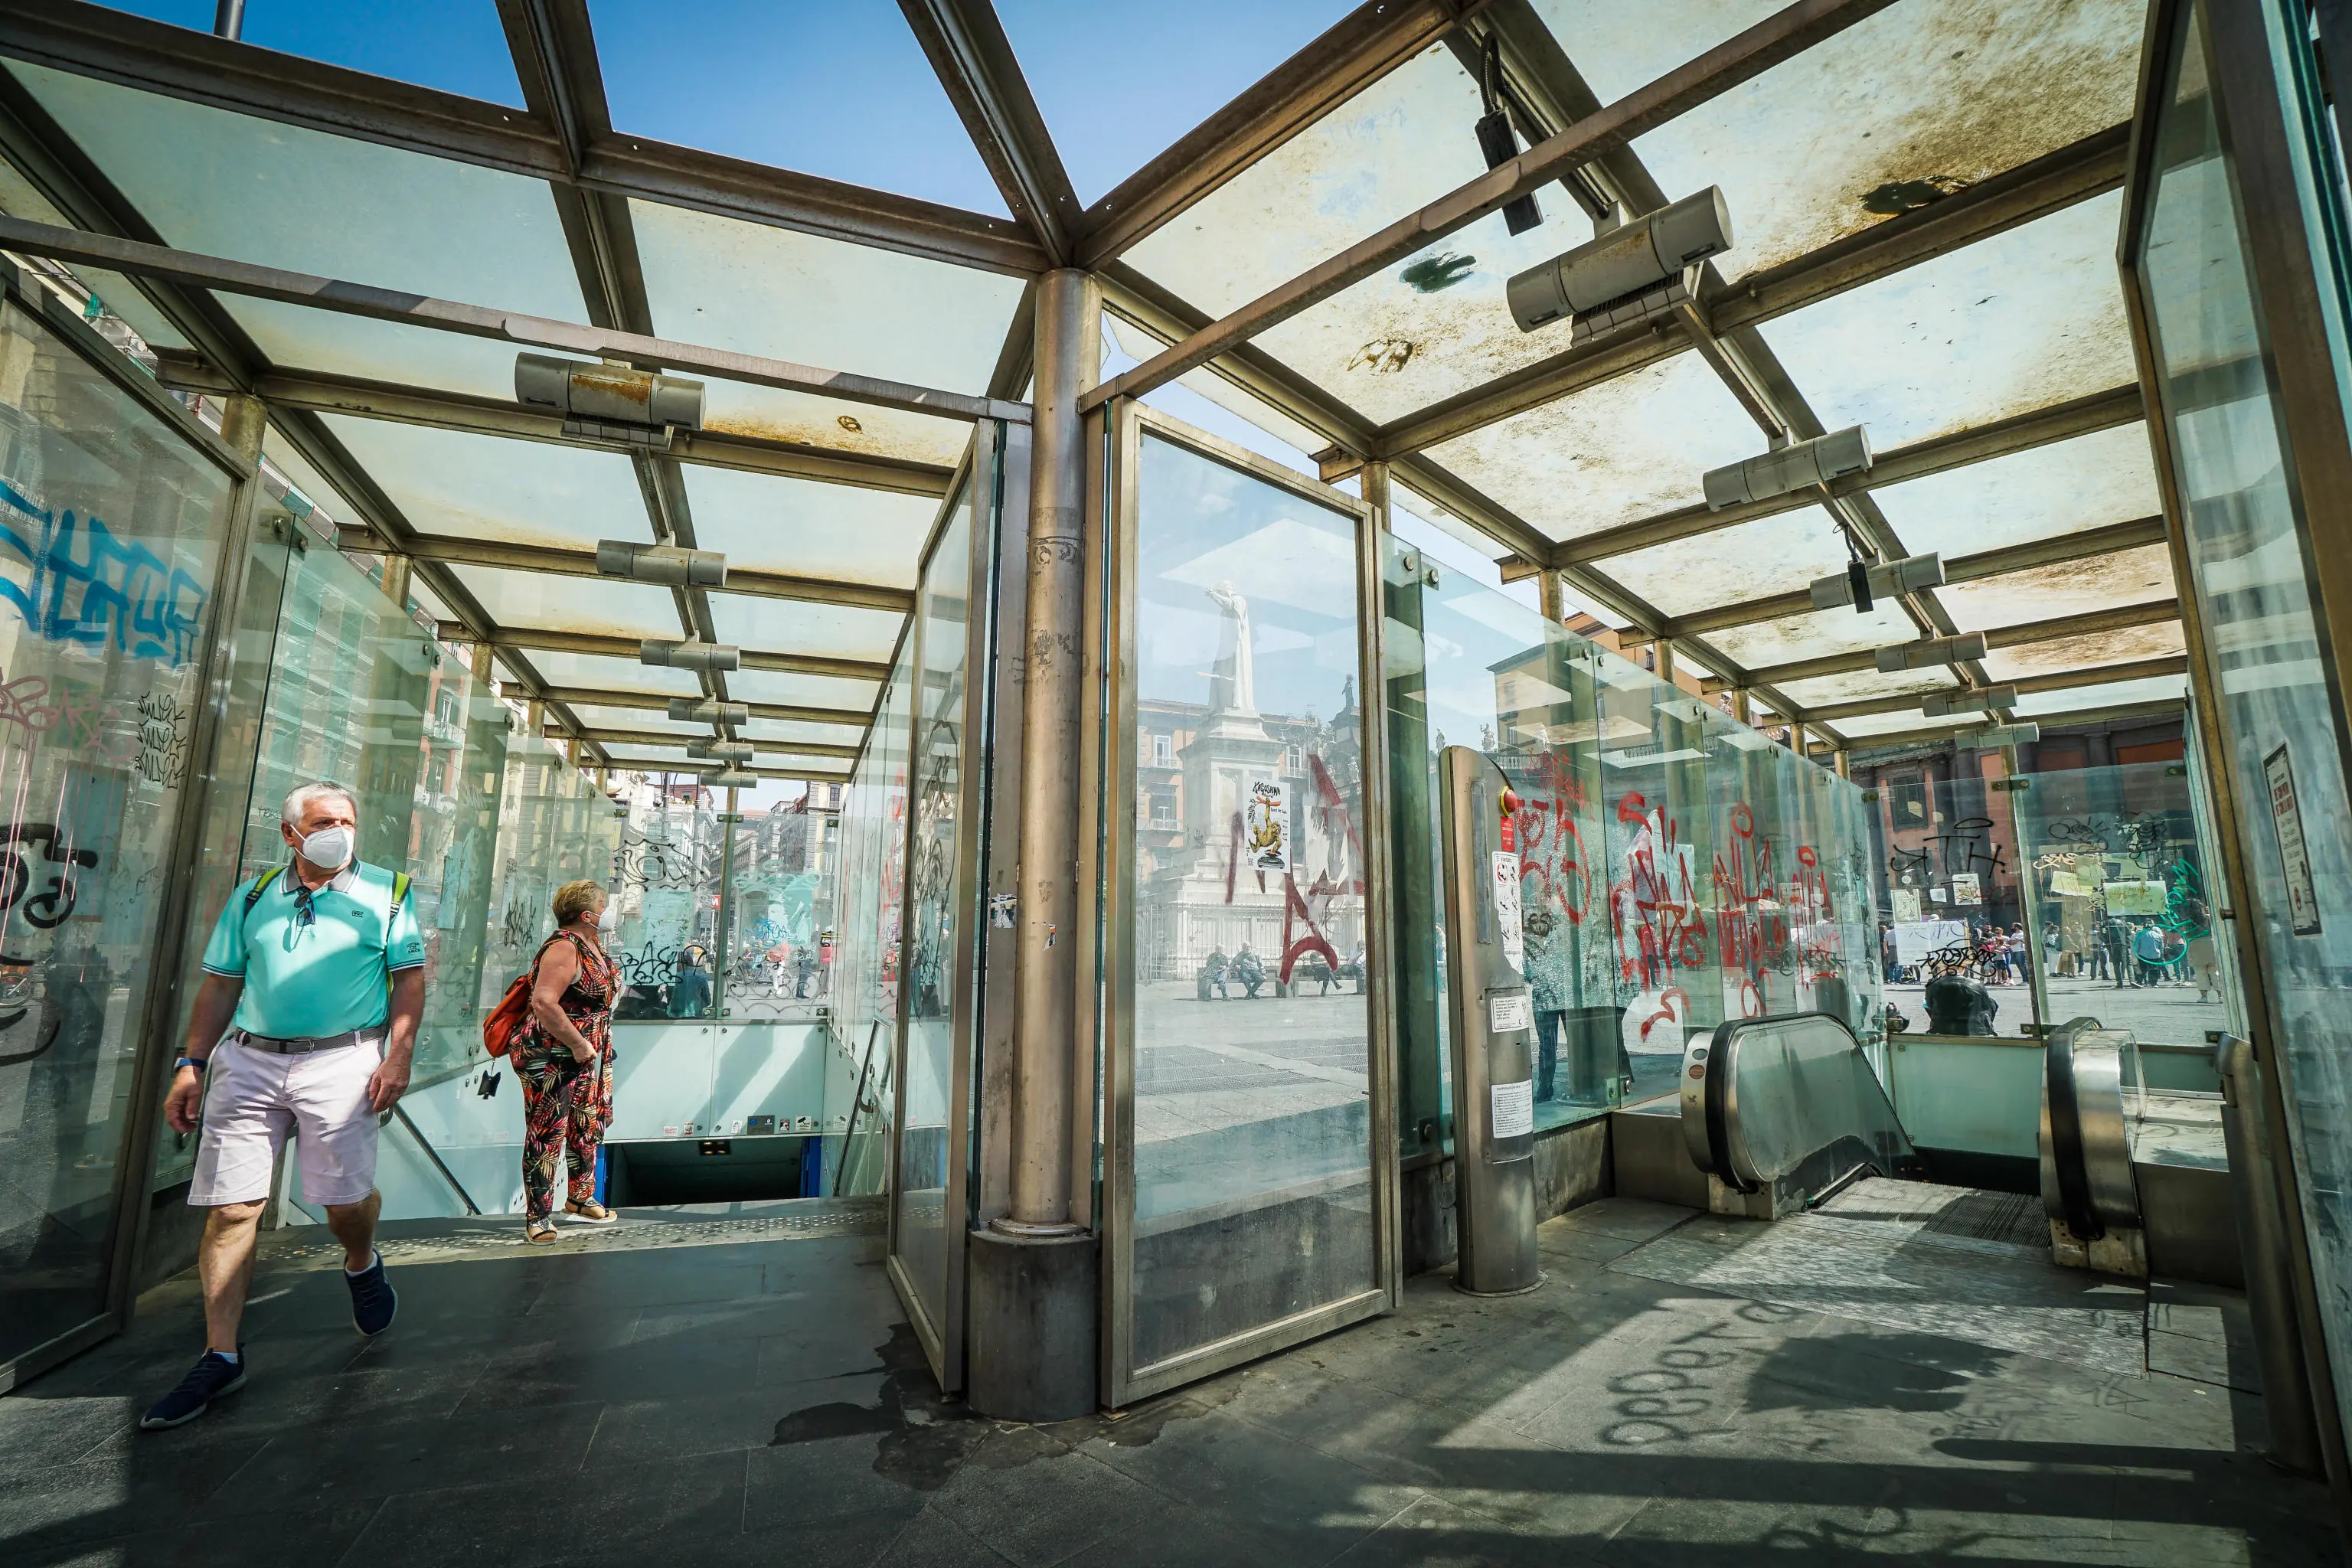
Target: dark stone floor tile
(664, 1278)
(828, 1478)
(382, 1457)
(678, 1427)
(643, 1510)
(933, 1541)
(1024, 1495)
(37, 1430)
(1433, 1533)
(300, 1539)
(563, 1374)
(114, 1493)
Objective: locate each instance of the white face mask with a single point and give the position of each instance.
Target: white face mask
(608, 920)
(329, 848)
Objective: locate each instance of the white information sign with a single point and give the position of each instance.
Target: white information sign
(1507, 908)
(1510, 1010)
(1907, 905)
(1512, 1108)
(2286, 815)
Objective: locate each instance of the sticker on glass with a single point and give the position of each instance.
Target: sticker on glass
(1512, 1108)
(1507, 908)
(2295, 855)
(1510, 1010)
(1265, 825)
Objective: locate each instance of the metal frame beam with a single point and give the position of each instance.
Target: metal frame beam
(664, 737)
(659, 703)
(1789, 31)
(193, 270)
(2058, 629)
(750, 582)
(604, 644)
(324, 392)
(654, 765)
(974, 62)
(1956, 727)
(179, 62)
(2063, 680)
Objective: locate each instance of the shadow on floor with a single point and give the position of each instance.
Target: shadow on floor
(723, 1401)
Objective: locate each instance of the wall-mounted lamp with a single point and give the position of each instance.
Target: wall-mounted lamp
(664, 564)
(707, 710)
(1795, 467)
(1633, 273)
(609, 402)
(1929, 654)
(737, 754)
(1885, 580)
(694, 654)
(1981, 699)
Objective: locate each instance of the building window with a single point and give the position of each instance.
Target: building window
(1163, 751)
(1907, 801)
(1293, 762)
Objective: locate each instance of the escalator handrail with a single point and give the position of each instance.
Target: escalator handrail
(1712, 1065)
(2067, 1162)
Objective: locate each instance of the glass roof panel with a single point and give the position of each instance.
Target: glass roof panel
(257, 190)
(1202, 57)
(457, 484)
(803, 526)
(773, 413)
(598, 717)
(1610, 454)
(2025, 319)
(1769, 556)
(2115, 694)
(1895, 112)
(283, 456)
(2068, 588)
(745, 286)
(2086, 652)
(1860, 686)
(1392, 149)
(591, 673)
(785, 85)
(673, 759)
(545, 602)
(787, 691)
(115, 292)
(456, 45)
(1816, 635)
(789, 625)
(1895, 724)
(791, 731)
(2040, 493)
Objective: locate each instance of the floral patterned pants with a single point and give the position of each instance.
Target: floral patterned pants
(563, 1103)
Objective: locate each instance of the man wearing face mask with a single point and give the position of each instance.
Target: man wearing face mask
(314, 982)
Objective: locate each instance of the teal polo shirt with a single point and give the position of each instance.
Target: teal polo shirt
(328, 975)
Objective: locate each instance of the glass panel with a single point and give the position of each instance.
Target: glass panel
(802, 690)
(2062, 487)
(1251, 1119)
(864, 987)
(2272, 669)
(1770, 555)
(2073, 587)
(453, 45)
(459, 485)
(937, 926)
(740, 408)
(804, 527)
(667, 887)
(835, 631)
(1951, 912)
(2030, 659)
(581, 671)
(549, 601)
(801, 297)
(110, 528)
(2125, 891)
(1812, 635)
(781, 893)
(254, 190)
(2013, 323)
(817, 72)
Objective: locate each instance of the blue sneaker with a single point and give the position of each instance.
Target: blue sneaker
(213, 1376)
(374, 1301)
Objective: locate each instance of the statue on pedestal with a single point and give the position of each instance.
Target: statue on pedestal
(1232, 684)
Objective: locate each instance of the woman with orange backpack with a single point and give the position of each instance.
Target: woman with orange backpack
(562, 1057)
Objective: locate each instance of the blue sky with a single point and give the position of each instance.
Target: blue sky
(838, 89)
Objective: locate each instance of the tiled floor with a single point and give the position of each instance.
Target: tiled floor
(713, 1402)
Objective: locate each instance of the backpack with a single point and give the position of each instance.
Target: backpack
(505, 1021)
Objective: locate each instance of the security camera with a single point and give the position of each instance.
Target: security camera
(1795, 467)
(668, 653)
(707, 710)
(1978, 700)
(1927, 655)
(1886, 580)
(663, 564)
(1630, 274)
(609, 402)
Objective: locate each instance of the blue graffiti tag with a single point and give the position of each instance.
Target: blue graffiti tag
(90, 588)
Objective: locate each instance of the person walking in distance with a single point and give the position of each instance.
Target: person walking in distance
(563, 1059)
(305, 1024)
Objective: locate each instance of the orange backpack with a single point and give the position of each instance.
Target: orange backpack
(507, 1019)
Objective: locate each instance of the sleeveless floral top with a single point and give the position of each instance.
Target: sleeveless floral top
(589, 1000)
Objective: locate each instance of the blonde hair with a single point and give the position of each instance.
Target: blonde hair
(576, 899)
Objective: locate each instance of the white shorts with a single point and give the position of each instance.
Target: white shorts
(252, 1099)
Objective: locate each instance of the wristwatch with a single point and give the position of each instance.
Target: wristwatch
(200, 1064)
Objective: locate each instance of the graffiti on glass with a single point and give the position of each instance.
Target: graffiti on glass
(87, 588)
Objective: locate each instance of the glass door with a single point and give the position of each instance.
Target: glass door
(2234, 253)
(940, 941)
(1249, 1144)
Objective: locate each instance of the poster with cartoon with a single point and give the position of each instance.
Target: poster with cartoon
(1265, 825)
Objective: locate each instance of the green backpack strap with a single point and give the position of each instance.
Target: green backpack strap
(400, 885)
(260, 886)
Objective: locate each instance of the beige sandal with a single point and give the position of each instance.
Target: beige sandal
(540, 1229)
(592, 1212)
